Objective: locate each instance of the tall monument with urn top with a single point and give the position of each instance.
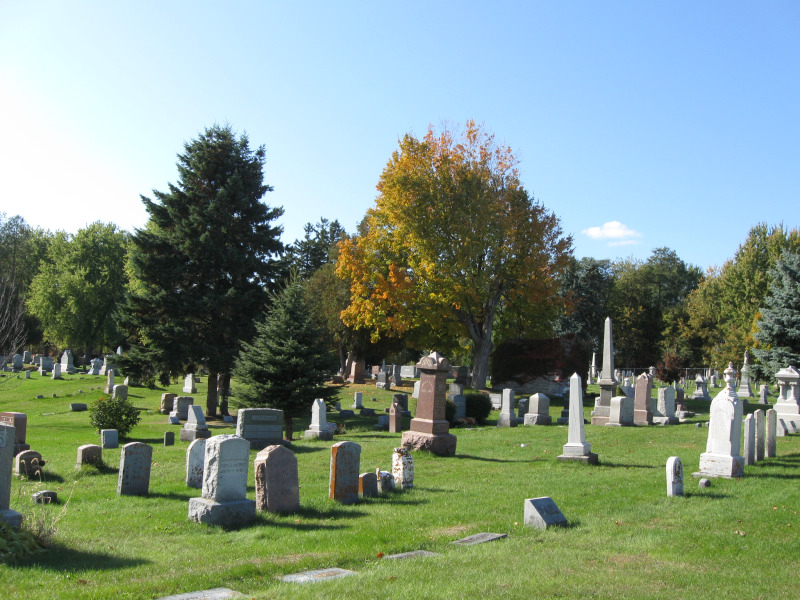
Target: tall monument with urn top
(429, 428)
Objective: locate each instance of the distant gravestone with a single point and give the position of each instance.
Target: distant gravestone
(763, 394)
(408, 372)
(620, 411)
(460, 400)
(454, 389)
(224, 501)
(507, 417)
(367, 485)
(758, 417)
(180, 408)
(772, 426)
(396, 378)
(28, 463)
(383, 382)
(318, 429)
(497, 401)
(642, 406)
(67, 365)
(674, 476)
(195, 459)
(189, 386)
(538, 410)
(26, 357)
(45, 365)
(94, 366)
(78, 407)
(121, 391)
(195, 427)
(394, 418)
(385, 481)
(7, 437)
(462, 375)
(317, 575)
(134, 469)
(402, 469)
(44, 497)
(345, 466)
(167, 401)
(701, 389)
(109, 439)
(358, 401)
(56, 371)
(261, 427)
(356, 374)
(109, 381)
(16, 362)
(480, 538)
(665, 407)
(415, 393)
(19, 421)
(169, 438)
(429, 428)
(577, 448)
(749, 441)
(277, 482)
(543, 513)
(89, 454)
(722, 458)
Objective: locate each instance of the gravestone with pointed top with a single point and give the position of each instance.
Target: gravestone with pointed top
(195, 427)
(722, 457)
(577, 448)
(607, 382)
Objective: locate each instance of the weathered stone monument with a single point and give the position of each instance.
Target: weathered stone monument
(749, 441)
(195, 426)
(674, 476)
(224, 500)
(620, 412)
(722, 458)
(577, 448)
(120, 391)
(56, 371)
(700, 389)
(277, 482)
(507, 417)
(665, 407)
(538, 411)
(109, 381)
(358, 401)
(367, 485)
(318, 429)
(28, 463)
(395, 425)
(429, 429)
(189, 385)
(19, 421)
(195, 463)
(94, 366)
(345, 467)
(7, 438)
(109, 439)
(261, 427)
(402, 469)
(356, 372)
(745, 391)
(89, 454)
(642, 403)
(45, 365)
(67, 365)
(543, 513)
(607, 382)
(134, 469)
(167, 401)
(460, 400)
(787, 405)
(383, 382)
(180, 408)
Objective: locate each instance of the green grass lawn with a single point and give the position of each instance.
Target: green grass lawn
(626, 539)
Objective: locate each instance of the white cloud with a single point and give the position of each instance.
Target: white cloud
(613, 230)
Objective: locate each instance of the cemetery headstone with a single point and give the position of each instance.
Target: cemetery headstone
(89, 454)
(45, 365)
(44, 497)
(454, 389)
(78, 407)
(277, 482)
(460, 400)
(429, 429)
(385, 481)
(169, 438)
(772, 426)
(543, 513)
(195, 460)
(674, 476)
(56, 371)
(261, 427)
(367, 485)
(7, 438)
(402, 469)
(26, 357)
(461, 375)
(318, 429)
(642, 411)
(787, 405)
(607, 381)
(507, 417)
(120, 391)
(224, 501)
(94, 366)
(415, 393)
(620, 412)
(701, 388)
(396, 378)
(356, 372)
(28, 463)
(180, 408)
(665, 407)
(189, 386)
(538, 410)
(195, 426)
(395, 425)
(745, 391)
(749, 441)
(758, 417)
(19, 421)
(67, 365)
(109, 438)
(358, 401)
(383, 382)
(109, 381)
(722, 458)
(167, 401)
(345, 466)
(134, 469)
(577, 448)
(16, 362)
(408, 372)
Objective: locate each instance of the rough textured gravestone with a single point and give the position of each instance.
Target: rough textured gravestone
(89, 454)
(167, 400)
(507, 417)
(134, 469)
(722, 458)
(758, 417)
(402, 469)
(429, 429)
(109, 438)
(195, 427)
(261, 427)
(189, 386)
(642, 411)
(277, 482)
(577, 448)
(607, 382)
(543, 513)
(318, 429)
(180, 408)
(538, 410)
(749, 441)
(395, 418)
(7, 437)
(109, 381)
(345, 466)
(385, 481)
(383, 382)
(195, 462)
(772, 426)
(224, 501)
(358, 401)
(28, 462)
(19, 421)
(674, 476)
(367, 485)
(94, 366)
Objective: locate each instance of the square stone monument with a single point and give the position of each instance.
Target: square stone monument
(261, 427)
(429, 429)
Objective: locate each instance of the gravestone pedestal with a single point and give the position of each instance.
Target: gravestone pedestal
(429, 429)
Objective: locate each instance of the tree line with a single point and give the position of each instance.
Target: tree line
(455, 255)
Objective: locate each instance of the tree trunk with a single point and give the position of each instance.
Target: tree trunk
(223, 391)
(342, 359)
(482, 349)
(289, 428)
(211, 396)
(480, 332)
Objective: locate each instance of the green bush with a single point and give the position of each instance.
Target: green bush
(16, 544)
(478, 406)
(114, 413)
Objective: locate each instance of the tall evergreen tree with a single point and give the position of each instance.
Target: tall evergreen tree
(286, 365)
(779, 326)
(202, 265)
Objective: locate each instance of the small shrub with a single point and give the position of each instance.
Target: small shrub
(449, 410)
(16, 544)
(114, 413)
(478, 406)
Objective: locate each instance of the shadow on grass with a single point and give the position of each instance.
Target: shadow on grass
(183, 497)
(329, 513)
(96, 469)
(711, 496)
(773, 475)
(614, 465)
(483, 458)
(306, 449)
(61, 558)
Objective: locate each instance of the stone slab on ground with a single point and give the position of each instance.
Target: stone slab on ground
(479, 538)
(318, 575)
(413, 554)
(219, 593)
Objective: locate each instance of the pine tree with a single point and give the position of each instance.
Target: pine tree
(286, 365)
(201, 267)
(779, 325)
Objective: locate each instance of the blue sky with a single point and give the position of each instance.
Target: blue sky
(640, 124)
